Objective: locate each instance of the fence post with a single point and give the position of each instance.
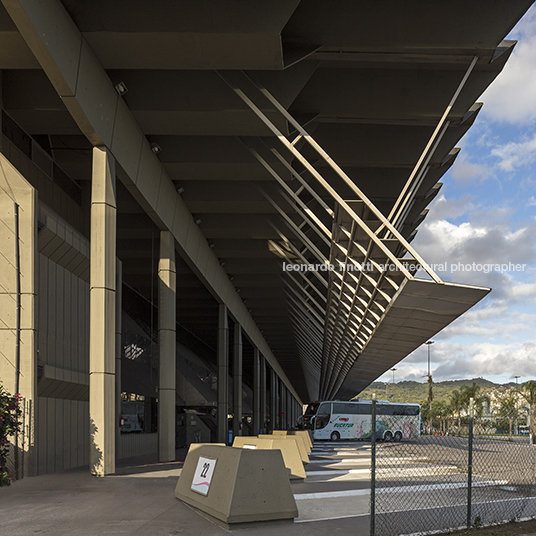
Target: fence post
(470, 463)
(373, 467)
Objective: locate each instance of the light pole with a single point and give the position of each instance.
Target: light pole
(430, 395)
(393, 371)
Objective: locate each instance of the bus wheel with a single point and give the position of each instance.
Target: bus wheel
(398, 436)
(388, 437)
(335, 436)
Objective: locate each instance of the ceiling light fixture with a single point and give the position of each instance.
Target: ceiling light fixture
(120, 87)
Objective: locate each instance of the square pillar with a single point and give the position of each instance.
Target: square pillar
(118, 352)
(223, 374)
(102, 311)
(273, 401)
(284, 407)
(167, 342)
(271, 412)
(237, 381)
(262, 403)
(256, 421)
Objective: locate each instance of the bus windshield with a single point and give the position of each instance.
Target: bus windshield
(310, 412)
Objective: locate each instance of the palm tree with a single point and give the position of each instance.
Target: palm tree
(528, 391)
(473, 391)
(508, 407)
(456, 406)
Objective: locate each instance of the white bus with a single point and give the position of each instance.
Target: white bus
(336, 419)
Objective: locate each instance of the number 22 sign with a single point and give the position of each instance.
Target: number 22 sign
(203, 475)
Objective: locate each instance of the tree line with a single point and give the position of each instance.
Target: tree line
(502, 413)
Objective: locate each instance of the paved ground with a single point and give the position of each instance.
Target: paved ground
(140, 500)
(333, 499)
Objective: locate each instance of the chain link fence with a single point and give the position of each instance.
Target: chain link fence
(450, 478)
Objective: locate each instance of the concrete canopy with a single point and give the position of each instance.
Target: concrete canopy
(370, 84)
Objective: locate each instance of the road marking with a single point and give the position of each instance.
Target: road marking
(395, 489)
(420, 509)
(447, 485)
(331, 494)
(336, 472)
(329, 518)
(349, 451)
(345, 460)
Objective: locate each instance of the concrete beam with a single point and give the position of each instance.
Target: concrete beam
(105, 120)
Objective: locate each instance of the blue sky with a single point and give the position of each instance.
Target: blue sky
(486, 213)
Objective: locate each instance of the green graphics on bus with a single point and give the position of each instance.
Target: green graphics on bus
(336, 420)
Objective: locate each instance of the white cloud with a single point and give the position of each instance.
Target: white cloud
(442, 208)
(511, 96)
(485, 359)
(465, 172)
(513, 155)
(445, 243)
(451, 361)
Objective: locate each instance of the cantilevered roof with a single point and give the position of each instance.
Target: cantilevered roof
(294, 131)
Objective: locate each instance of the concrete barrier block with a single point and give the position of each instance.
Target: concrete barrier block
(194, 446)
(288, 447)
(306, 438)
(299, 442)
(232, 486)
(303, 433)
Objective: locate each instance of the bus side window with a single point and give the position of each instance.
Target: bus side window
(339, 408)
(352, 409)
(364, 409)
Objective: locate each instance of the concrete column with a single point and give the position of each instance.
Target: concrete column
(284, 407)
(1, 108)
(256, 421)
(102, 299)
(279, 385)
(273, 409)
(290, 419)
(118, 352)
(277, 405)
(262, 403)
(223, 374)
(237, 381)
(167, 341)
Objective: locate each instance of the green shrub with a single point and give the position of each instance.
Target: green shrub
(9, 424)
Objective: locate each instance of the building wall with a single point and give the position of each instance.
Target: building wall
(14, 189)
(63, 434)
(136, 445)
(63, 345)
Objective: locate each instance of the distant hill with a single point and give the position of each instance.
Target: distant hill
(416, 392)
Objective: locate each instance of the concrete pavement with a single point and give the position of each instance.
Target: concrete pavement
(139, 500)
